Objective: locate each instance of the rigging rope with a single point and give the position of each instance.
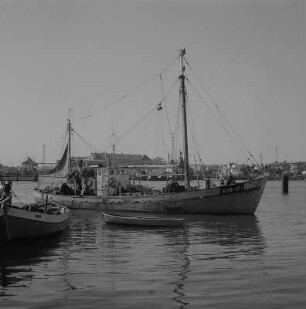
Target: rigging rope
(163, 135)
(192, 131)
(84, 141)
(139, 121)
(219, 121)
(157, 107)
(17, 197)
(135, 90)
(164, 100)
(222, 115)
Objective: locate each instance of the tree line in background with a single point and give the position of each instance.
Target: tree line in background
(296, 170)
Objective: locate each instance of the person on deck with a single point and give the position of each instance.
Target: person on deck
(65, 189)
(5, 192)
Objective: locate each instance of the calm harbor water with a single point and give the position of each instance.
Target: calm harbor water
(213, 262)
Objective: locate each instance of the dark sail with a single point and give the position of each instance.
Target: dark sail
(58, 175)
(62, 164)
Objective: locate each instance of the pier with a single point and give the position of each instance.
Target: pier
(18, 177)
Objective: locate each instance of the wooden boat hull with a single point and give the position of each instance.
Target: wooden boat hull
(20, 223)
(241, 198)
(142, 220)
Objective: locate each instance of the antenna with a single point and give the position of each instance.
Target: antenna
(44, 154)
(113, 140)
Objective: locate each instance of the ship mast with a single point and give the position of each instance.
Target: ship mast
(69, 140)
(183, 94)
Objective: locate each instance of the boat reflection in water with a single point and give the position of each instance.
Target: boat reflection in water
(241, 231)
(128, 266)
(18, 258)
(186, 254)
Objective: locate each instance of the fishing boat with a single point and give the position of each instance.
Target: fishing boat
(124, 219)
(32, 220)
(110, 185)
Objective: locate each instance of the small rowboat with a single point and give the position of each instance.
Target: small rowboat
(141, 220)
(32, 220)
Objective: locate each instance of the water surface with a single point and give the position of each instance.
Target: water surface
(213, 262)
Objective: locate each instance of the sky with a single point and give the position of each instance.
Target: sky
(94, 57)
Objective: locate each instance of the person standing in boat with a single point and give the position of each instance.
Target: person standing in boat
(5, 193)
(230, 179)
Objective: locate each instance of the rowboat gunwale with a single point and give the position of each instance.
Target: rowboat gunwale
(138, 220)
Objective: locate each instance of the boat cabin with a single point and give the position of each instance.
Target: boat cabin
(111, 181)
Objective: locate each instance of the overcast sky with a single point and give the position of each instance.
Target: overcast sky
(85, 54)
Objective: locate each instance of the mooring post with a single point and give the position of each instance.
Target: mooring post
(285, 183)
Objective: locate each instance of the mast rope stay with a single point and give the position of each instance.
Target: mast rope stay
(164, 100)
(157, 107)
(222, 117)
(131, 92)
(85, 142)
(192, 131)
(139, 121)
(221, 123)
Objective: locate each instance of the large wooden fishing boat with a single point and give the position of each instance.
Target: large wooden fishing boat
(109, 184)
(32, 220)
